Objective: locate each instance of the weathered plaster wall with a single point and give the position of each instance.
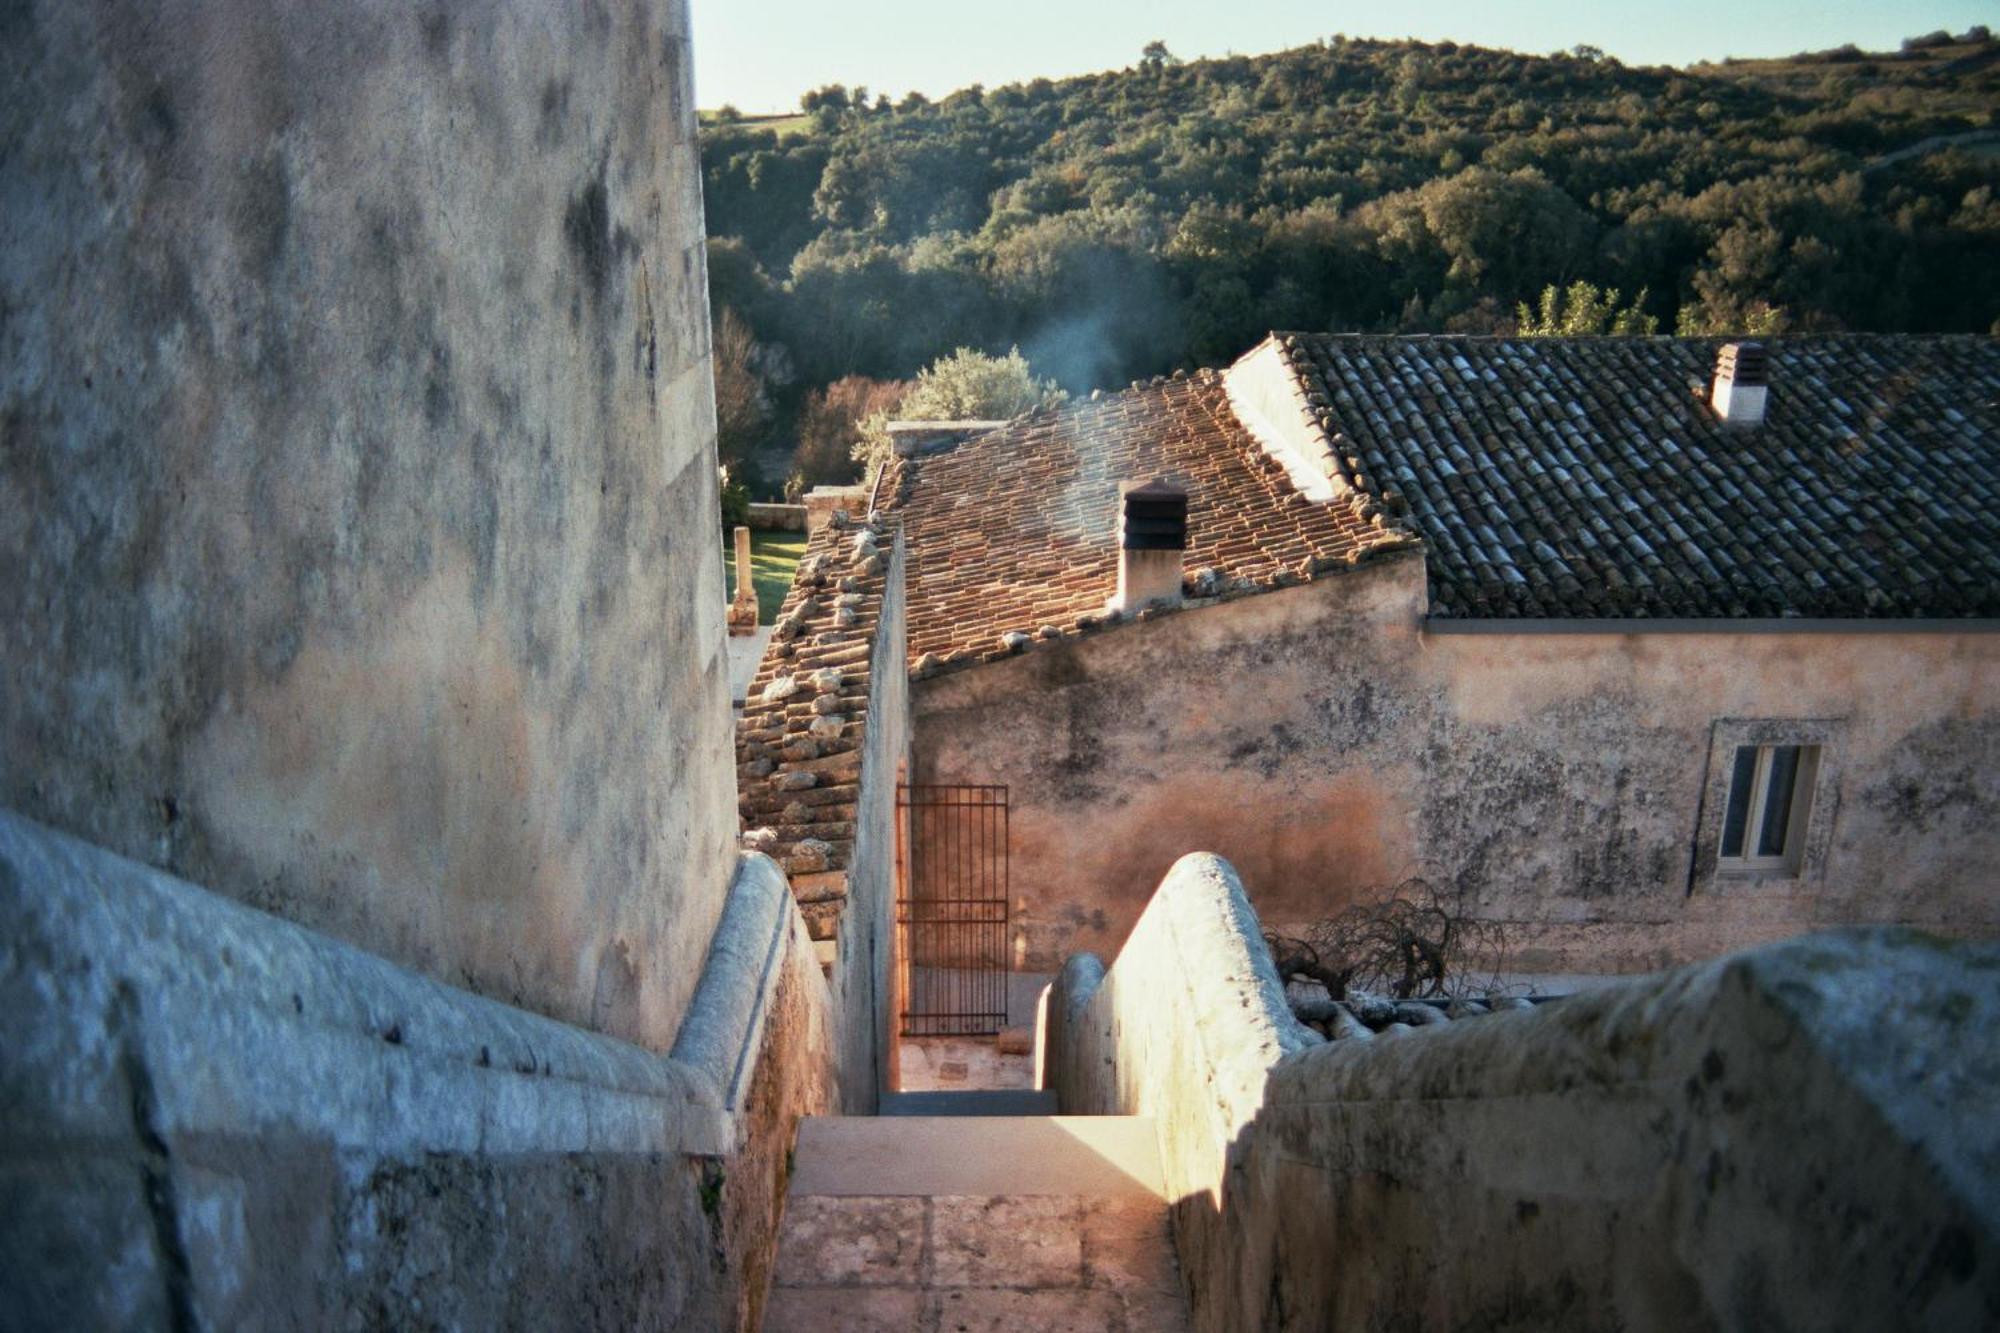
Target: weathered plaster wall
(357, 496)
(215, 1118)
(1328, 748)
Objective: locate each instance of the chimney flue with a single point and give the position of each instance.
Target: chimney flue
(1152, 534)
(1742, 382)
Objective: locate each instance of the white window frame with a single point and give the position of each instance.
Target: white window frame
(1798, 813)
(1810, 840)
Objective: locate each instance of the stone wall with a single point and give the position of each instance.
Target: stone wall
(1795, 1137)
(863, 985)
(777, 517)
(360, 514)
(822, 502)
(1329, 747)
(1184, 1029)
(822, 743)
(215, 1118)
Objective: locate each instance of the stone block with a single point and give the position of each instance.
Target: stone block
(1058, 1311)
(843, 1310)
(1022, 1241)
(1127, 1246)
(859, 1240)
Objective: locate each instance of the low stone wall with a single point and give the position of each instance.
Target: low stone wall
(212, 1117)
(1184, 1028)
(822, 502)
(863, 982)
(777, 517)
(1800, 1136)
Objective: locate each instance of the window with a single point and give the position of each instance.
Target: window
(1770, 803)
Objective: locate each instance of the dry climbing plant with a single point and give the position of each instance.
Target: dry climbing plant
(1416, 942)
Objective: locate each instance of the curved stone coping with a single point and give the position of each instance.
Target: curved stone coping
(1239, 997)
(724, 1027)
(1200, 936)
(136, 1000)
(1876, 1011)
(1081, 975)
(1800, 1135)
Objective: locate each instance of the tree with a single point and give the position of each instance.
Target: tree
(1584, 310)
(829, 425)
(1157, 56)
(742, 399)
(1749, 319)
(833, 97)
(1415, 943)
(1120, 224)
(968, 385)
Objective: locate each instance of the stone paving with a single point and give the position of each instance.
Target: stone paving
(1038, 1223)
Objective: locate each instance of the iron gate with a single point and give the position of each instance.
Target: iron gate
(951, 922)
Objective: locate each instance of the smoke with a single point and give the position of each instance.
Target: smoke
(1078, 352)
(1113, 320)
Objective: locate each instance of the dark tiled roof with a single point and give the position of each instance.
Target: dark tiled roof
(1589, 477)
(805, 718)
(1013, 533)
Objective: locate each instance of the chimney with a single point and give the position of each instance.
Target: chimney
(1152, 533)
(921, 439)
(1742, 379)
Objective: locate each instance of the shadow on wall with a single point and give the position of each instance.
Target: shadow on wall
(1797, 1136)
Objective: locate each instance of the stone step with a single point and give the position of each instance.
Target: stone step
(965, 1222)
(1049, 1154)
(978, 1101)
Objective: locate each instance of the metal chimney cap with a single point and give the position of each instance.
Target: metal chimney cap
(1153, 516)
(1744, 363)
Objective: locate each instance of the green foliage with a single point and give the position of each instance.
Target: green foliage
(1122, 224)
(1758, 319)
(774, 557)
(735, 500)
(1584, 310)
(968, 385)
(713, 1177)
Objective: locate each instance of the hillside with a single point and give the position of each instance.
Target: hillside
(1168, 214)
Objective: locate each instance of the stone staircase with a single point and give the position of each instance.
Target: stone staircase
(945, 1223)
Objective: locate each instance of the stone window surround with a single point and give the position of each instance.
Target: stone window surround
(1725, 735)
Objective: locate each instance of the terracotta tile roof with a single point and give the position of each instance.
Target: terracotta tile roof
(1589, 477)
(805, 718)
(1012, 535)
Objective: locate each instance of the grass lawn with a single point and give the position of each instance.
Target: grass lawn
(784, 126)
(773, 557)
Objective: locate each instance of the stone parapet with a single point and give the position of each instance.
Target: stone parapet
(1796, 1136)
(1184, 1028)
(213, 1117)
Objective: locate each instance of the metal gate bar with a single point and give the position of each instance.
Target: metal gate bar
(952, 918)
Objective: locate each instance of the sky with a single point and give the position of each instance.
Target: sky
(759, 55)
